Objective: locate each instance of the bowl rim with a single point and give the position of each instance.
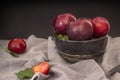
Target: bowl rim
(91, 40)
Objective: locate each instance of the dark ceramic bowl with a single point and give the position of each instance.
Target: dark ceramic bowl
(77, 50)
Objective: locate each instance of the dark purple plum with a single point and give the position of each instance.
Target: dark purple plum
(81, 29)
(61, 22)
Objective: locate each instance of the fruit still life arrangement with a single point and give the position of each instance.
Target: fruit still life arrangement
(81, 28)
(80, 38)
(75, 39)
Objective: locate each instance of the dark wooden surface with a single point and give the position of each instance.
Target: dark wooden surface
(24, 18)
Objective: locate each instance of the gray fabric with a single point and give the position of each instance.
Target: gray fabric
(111, 58)
(39, 49)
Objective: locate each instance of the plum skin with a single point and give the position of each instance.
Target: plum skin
(101, 26)
(81, 29)
(61, 22)
(17, 45)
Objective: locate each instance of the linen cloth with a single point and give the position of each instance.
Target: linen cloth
(111, 57)
(39, 49)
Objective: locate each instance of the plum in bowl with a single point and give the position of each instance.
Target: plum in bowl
(87, 37)
(74, 51)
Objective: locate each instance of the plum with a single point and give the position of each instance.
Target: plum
(81, 29)
(61, 22)
(17, 45)
(101, 26)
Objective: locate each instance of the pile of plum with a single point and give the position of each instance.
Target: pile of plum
(82, 28)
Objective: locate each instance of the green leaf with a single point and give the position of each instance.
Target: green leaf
(12, 53)
(65, 38)
(25, 74)
(59, 36)
(62, 37)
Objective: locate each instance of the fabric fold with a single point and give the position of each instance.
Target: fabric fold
(111, 57)
(39, 49)
(82, 70)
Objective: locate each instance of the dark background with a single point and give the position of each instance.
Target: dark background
(24, 18)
